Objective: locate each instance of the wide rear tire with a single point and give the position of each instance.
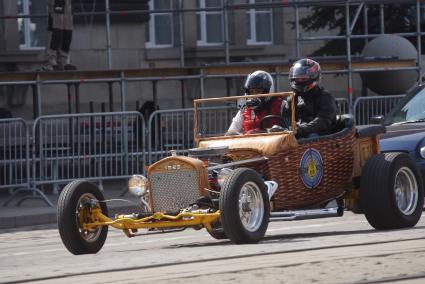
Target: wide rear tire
(75, 239)
(244, 207)
(391, 191)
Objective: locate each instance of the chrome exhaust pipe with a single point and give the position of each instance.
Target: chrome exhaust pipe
(306, 214)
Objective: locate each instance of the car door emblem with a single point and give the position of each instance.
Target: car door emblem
(311, 166)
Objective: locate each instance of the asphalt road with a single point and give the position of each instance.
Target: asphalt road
(332, 250)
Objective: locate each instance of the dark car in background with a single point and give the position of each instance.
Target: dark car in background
(405, 128)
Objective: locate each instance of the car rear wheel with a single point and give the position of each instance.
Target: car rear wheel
(391, 191)
(244, 206)
(73, 208)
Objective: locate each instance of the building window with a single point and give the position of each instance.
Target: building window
(259, 24)
(160, 28)
(32, 31)
(209, 23)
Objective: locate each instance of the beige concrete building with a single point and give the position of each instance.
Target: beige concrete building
(168, 39)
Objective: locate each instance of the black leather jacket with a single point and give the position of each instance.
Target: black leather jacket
(315, 112)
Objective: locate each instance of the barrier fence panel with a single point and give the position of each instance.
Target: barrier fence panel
(15, 161)
(173, 129)
(169, 130)
(14, 154)
(97, 146)
(215, 121)
(343, 105)
(366, 107)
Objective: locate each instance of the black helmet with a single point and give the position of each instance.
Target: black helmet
(304, 75)
(262, 82)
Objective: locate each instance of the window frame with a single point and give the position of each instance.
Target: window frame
(26, 24)
(203, 25)
(151, 26)
(252, 13)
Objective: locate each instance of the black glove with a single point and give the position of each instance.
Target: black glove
(300, 131)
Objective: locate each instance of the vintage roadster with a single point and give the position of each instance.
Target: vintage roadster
(233, 186)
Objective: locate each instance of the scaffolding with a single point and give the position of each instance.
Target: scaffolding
(347, 64)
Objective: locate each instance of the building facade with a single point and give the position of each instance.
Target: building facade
(174, 33)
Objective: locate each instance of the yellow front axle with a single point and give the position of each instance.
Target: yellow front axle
(157, 220)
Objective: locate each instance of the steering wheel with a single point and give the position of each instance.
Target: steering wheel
(262, 122)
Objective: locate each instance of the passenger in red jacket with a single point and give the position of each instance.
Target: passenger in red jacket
(247, 120)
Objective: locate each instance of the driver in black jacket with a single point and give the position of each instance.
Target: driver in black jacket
(315, 108)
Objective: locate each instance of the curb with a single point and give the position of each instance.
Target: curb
(23, 220)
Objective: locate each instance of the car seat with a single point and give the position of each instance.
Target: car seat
(343, 121)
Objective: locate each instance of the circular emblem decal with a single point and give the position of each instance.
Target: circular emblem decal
(311, 168)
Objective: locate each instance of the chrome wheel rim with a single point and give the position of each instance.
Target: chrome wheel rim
(406, 190)
(88, 235)
(251, 206)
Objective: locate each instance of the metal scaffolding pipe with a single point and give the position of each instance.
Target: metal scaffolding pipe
(226, 31)
(181, 31)
(103, 80)
(123, 91)
(366, 23)
(348, 34)
(382, 18)
(330, 37)
(356, 17)
(167, 78)
(11, 83)
(201, 83)
(297, 32)
(225, 8)
(418, 38)
(38, 95)
(108, 34)
(286, 3)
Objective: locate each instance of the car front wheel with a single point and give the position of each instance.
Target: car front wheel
(244, 206)
(73, 211)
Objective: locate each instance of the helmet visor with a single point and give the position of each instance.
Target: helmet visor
(301, 84)
(254, 91)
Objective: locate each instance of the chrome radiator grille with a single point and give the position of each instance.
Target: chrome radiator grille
(174, 190)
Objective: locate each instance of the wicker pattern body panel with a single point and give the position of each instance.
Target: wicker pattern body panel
(337, 156)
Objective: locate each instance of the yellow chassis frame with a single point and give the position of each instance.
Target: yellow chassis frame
(157, 220)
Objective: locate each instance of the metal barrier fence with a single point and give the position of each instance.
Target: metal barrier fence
(15, 161)
(343, 105)
(173, 129)
(97, 146)
(215, 121)
(14, 154)
(169, 130)
(366, 107)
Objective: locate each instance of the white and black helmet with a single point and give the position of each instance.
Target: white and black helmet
(260, 80)
(262, 83)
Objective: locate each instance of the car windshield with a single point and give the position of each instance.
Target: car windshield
(219, 117)
(411, 109)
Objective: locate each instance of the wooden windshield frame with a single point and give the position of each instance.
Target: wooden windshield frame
(198, 102)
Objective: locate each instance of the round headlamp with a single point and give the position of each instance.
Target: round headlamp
(137, 185)
(422, 152)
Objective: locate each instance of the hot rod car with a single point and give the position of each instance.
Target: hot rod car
(233, 186)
